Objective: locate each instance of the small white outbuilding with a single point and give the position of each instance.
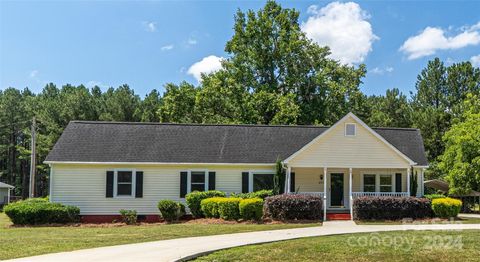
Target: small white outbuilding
(5, 193)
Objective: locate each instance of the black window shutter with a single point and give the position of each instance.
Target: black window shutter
(398, 182)
(139, 184)
(183, 184)
(244, 182)
(292, 182)
(211, 180)
(109, 189)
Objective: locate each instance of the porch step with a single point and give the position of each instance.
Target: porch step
(338, 216)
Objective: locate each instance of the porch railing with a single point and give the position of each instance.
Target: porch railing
(392, 194)
(320, 194)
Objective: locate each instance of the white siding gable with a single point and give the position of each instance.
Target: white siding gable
(335, 149)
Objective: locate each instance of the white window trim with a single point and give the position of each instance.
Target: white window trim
(377, 180)
(345, 129)
(392, 178)
(250, 177)
(115, 182)
(189, 178)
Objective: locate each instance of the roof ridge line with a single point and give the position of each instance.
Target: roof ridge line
(189, 124)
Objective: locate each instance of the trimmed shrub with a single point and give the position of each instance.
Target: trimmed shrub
(292, 206)
(40, 211)
(129, 217)
(170, 210)
(251, 209)
(228, 208)
(209, 207)
(446, 207)
(195, 198)
(391, 208)
(257, 194)
(434, 196)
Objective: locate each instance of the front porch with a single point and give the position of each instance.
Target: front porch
(340, 186)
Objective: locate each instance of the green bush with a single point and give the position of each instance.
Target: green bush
(39, 211)
(228, 208)
(209, 207)
(446, 207)
(129, 217)
(170, 210)
(257, 194)
(434, 196)
(251, 209)
(195, 198)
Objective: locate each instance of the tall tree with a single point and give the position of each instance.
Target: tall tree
(430, 104)
(461, 159)
(178, 104)
(391, 110)
(269, 54)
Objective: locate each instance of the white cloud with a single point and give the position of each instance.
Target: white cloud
(207, 65)
(149, 26)
(377, 71)
(344, 28)
(381, 71)
(33, 73)
(475, 60)
(93, 83)
(433, 39)
(166, 47)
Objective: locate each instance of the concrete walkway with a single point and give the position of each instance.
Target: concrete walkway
(184, 248)
(469, 215)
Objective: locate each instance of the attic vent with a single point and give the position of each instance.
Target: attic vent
(350, 129)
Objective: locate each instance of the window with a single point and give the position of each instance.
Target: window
(262, 181)
(350, 129)
(369, 183)
(385, 183)
(197, 179)
(124, 183)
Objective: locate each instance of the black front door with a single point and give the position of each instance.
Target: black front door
(336, 189)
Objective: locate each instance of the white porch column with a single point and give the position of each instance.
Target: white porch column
(350, 202)
(325, 194)
(8, 195)
(422, 179)
(408, 181)
(289, 177)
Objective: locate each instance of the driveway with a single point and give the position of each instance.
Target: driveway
(184, 248)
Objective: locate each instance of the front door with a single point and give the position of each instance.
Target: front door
(336, 189)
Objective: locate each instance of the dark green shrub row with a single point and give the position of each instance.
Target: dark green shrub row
(391, 208)
(40, 211)
(446, 207)
(257, 194)
(171, 210)
(293, 206)
(195, 198)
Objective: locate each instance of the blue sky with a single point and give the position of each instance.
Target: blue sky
(149, 43)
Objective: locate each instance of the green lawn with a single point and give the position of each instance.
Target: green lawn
(28, 241)
(412, 246)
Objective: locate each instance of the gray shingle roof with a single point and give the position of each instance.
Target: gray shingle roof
(85, 141)
(3, 185)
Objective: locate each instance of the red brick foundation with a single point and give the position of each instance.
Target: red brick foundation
(98, 219)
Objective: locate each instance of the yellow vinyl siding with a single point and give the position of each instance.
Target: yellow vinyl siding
(308, 179)
(84, 185)
(334, 149)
